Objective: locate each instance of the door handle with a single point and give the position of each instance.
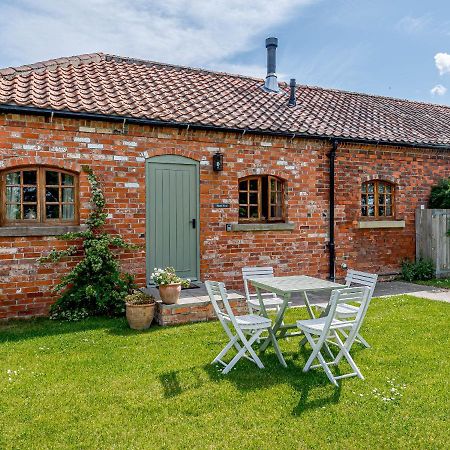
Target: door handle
(194, 223)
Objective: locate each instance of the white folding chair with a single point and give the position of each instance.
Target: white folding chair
(248, 328)
(270, 300)
(346, 311)
(325, 331)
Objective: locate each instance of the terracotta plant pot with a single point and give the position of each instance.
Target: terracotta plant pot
(140, 316)
(170, 293)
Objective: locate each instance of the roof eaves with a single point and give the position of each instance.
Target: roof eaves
(155, 122)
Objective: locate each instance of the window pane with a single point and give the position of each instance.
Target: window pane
(13, 194)
(242, 197)
(371, 211)
(29, 194)
(243, 211)
(388, 199)
(381, 188)
(243, 185)
(52, 211)
(381, 211)
(275, 211)
(13, 212)
(364, 188)
(52, 195)
(67, 180)
(363, 200)
(51, 177)
(273, 185)
(30, 212)
(67, 194)
(388, 188)
(68, 212)
(370, 187)
(279, 199)
(381, 199)
(254, 212)
(29, 177)
(253, 185)
(364, 210)
(273, 197)
(253, 198)
(371, 199)
(388, 210)
(13, 178)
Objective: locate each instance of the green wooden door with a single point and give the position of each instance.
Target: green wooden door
(172, 215)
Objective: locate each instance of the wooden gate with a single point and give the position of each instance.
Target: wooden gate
(432, 241)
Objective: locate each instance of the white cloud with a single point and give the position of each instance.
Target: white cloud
(186, 32)
(442, 61)
(438, 90)
(412, 24)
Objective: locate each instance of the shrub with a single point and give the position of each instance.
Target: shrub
(422, 269)
(95, 286)
(440, 194)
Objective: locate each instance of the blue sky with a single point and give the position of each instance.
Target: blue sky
(397, 48)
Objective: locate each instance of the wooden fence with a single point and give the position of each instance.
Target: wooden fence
(432, 241)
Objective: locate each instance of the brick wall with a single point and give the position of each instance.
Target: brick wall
(413, 172)
(117, 155)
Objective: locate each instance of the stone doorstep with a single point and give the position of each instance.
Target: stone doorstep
(194, 305)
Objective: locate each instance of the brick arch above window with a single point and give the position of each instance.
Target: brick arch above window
(38, 195)
(57, 163)
(281, 174)
(378, 199)
(380, 177)
(261, 199)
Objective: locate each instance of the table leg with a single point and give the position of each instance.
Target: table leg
(261, 302)
(278, 320)
(276, 347)
(310, 312)
(308, 306)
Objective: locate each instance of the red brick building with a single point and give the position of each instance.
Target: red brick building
(311, 188)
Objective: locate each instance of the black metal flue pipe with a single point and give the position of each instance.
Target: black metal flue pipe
(331, 243)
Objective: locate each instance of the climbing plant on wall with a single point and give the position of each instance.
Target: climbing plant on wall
(95, 286)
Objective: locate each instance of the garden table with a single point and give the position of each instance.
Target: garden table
(284, 287)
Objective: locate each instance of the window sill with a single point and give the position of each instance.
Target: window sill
(287, 226)
(381, 224)
(55, 230)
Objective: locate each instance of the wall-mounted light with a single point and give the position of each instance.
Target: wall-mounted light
(218, 162)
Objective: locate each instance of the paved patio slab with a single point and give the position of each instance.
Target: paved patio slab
(194, 304)
(442, 296)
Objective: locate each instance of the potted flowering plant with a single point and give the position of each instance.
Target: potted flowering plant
(140, 310)
(169, 284)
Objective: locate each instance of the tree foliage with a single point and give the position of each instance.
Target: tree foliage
(95, 286)
(440, 194)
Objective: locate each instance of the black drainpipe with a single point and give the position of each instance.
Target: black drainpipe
(331, 243)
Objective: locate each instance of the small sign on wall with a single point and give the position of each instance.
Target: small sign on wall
(221, 205)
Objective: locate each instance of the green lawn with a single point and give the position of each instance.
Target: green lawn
(97, 384)
(438, 282)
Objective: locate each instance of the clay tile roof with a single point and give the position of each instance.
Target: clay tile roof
(111, 85)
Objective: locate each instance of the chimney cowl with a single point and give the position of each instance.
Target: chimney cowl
(271, 83)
